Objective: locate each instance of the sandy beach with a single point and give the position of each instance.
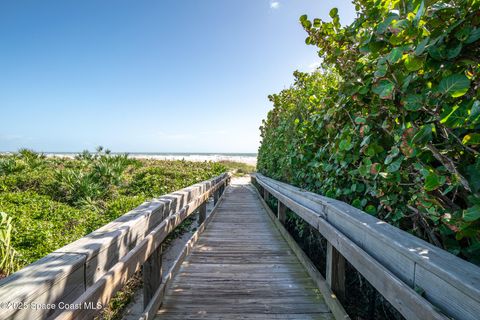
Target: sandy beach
(250, 159)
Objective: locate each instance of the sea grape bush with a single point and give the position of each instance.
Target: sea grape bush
(390, 122)
(50, 202)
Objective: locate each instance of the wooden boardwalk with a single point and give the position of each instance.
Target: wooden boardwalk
(242, 268)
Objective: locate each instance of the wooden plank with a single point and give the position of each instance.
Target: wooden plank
(56, 277)
(409, 303)
(335, 271)
(156, 301)
(202, 213)
(436, 287)
(103, 289)
(330, 298)
(105, 246)
(152, 275)
(282, 212)
(225, 276)
(243, 316)
(399, 252)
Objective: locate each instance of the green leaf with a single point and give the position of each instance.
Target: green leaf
(371, 210)
(472, 214)
(365, 140)
(412, 102)
(433, 181)
(456, 85)
(424, 134)
(475, 111)
(474, 36)
(333, 13)
(421, 46)
(473, 176)
(357, 203)
(307, 24)
(360, 120)
(381, 71)
(382, 27)
(413, 63)
(394, 151)
(454, 116)
(395, 55)
(463, 34)
(389, 159)
(384, 88)
(472, 138)
(395, 166)
(454, 52)
(420, 11)
(345, 144)
(303, 18)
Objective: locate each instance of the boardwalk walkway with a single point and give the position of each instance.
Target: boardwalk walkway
(242, 268)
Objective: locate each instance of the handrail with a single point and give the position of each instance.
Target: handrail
(77, 279)
(395, 262)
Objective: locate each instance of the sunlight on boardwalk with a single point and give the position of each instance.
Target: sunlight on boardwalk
(241, 268)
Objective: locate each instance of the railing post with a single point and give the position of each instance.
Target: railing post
(216, 196)
(282, 212)
(265, 195)
(335, 271)
(202, 213)
(152, 275)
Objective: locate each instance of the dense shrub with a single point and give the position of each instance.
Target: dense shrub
(390, 122)
(41, 225)
(168, 176)
(51, 202)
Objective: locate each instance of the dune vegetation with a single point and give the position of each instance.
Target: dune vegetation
(390, 122)
(48, 202)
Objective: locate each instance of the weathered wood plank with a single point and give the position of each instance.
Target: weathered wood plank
(282, 212)
(65, 274)
(371, 244)
(242, 266)
(56, 277)
(152, 275)
(330, 298)
(335, 271)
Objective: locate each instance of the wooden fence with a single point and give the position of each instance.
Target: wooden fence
(76, 280)
(395, 262)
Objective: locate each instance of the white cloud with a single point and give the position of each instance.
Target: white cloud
(274, 4)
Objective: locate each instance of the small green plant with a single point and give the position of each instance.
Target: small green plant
(238, 168)
(8, 255)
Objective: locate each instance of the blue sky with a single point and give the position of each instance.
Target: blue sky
(151, 76)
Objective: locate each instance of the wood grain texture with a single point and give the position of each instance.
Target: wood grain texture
(394, 261)
(242, 268)
(330, 298)
(152, 275)
(281, 212)
(67, 273)
(335, 271)
(104, 289)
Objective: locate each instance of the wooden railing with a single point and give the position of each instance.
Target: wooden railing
(396, 263)
(76, 281)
